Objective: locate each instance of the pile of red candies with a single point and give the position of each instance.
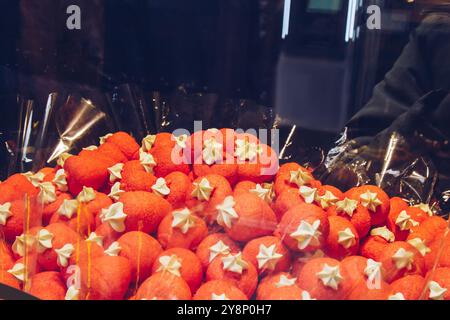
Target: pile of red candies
(211, 216)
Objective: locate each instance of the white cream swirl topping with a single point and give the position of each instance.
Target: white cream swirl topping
(347, 206)
(45, 239)
(18, 247)
(160, 187)
(420, 245)
(383, 232)
(327, 200)
(403, 259)
(116, 192)
(183, 220)
(212, 151)
(115, 172)
(307, 234)
(68, 208)
(94, 238)
(147, 161)
(234, 263)
(86, 195)
(300, 177)
(202, 190)
(226, 213)
(64, 253)
(35, 179)
(285, 281)
(18, 271)
(5, 213)
(60, 180)
(219, 248)
(436, 291)
(171, 264)
(114, 249)
(405, 222)
(268, 257)
(330, 276)
(148, 142)
(346, 238)
(309, 194)
(47, 193)
(115, 216)
(246, 150)
(62, 159)
(370, 200)
(104, 138)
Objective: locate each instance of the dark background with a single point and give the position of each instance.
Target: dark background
(226, 47)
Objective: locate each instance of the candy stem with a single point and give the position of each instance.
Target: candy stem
(27, 230)
(89, 270)
(78, 231)
(138, 271)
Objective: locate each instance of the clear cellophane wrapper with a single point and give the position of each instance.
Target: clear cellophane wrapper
(69, 123)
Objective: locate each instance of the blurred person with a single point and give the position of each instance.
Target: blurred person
(412, 101)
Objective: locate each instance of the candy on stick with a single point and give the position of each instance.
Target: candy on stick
(126, 143)
(236, 269)
(325, 279)
(304, 228)
(182, 229)
(374, 199)
(141, 250)
(267, 254)
(288, 199)
(342, 240)
(292, 176)
(399, 258)
(206, 193)
(219, 290)
(410, 287)
(214, 246)
(47, 286)
(182, 263)
(245, 217)
(374, 245)
(164, 286)
(136, 178)
(274, 282)
(402, 223)
(105, 278)
(353, 211)
(136, 207)
(259, 168)
(178, 185)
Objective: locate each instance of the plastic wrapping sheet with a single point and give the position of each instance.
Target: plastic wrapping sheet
(179, 109)
(401, 159)
(130, 111)
(389, 164)
(17, 145)
(72, 123)
(77, 121)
